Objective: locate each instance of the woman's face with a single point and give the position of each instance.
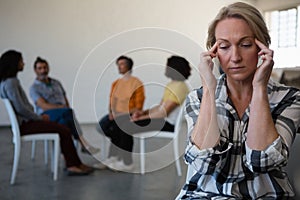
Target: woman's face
(21, 65)
(237, 51)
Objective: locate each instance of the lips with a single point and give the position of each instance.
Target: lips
(236, 68)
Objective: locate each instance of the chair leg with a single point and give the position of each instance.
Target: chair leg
(32, 149)
(46, 151)
(142, 155)
(55, 158)
(52, 154)
(16, 163)
(176, 156)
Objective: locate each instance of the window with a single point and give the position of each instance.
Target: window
(284, 27)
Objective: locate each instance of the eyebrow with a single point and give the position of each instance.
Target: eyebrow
(243, 38)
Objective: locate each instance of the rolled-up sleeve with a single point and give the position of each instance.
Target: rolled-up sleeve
(286, 115)
(272, 157)
(205, 161)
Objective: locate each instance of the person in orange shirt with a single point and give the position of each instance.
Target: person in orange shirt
(126, 97)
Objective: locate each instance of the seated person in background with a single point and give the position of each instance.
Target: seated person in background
(11, 62)
(126, 96)
(50, 98)
(241, 125)
(161, 117)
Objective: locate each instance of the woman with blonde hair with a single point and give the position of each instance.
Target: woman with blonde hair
(242, 124)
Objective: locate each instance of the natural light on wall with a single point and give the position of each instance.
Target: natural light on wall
(284, 27)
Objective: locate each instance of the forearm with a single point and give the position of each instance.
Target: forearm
(261, 129)
(159, 112)
(49, 106)
(155, 112)
(206, 132)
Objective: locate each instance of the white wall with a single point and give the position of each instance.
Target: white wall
(82, 39)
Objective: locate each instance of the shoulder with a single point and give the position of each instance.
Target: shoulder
(115, 82)
(35, 84)
(177, 85)
(136, 79)
(56, 81)
(11, 82)
(278, 92)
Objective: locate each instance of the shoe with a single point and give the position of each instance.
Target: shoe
(89, 150)
(81, 170)
(109, 161)
(86, 168)
(77, 173)
(106, 163)
(121, 166)
(99, 166)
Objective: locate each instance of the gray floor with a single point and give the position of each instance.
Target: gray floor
(34, 178)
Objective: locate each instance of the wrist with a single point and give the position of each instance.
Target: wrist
(260, 89)
(209, 92)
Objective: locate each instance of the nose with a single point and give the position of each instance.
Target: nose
(235, 55)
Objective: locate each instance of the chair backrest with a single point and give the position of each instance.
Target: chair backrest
(180, 119)
(13, 121)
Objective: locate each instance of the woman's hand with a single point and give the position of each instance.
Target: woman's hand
(136, 115)
(45, 117)
(263, 72)
(206, 68)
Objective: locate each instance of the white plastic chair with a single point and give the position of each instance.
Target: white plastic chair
(76, 144)
(163, 134)
(17, 138)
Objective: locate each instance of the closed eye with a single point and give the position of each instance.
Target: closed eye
(246, 45)
(224, 46)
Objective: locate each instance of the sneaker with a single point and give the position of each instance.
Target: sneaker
(90, 150)
(99, 166)
(121, 166)
(110, 160)
(106, 163)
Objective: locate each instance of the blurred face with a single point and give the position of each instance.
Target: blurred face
(41, 71)
(21, 65)
(122, 66)
(237, 50)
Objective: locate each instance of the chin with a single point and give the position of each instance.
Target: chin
(239, 77)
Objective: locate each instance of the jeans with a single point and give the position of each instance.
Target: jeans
(65, 116)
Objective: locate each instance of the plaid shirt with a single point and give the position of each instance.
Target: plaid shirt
(231, 170)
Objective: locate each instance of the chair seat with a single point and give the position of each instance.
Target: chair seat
(41, 136)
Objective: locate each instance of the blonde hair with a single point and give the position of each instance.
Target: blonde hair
(245, 12)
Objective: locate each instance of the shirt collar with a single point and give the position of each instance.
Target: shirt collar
(43, 83)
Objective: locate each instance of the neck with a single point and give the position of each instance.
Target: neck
(239, 89)
(44, 79)
(240, 93)
(126, 76)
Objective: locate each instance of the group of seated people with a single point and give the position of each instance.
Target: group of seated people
(52, 112)
(126, 116)
(241, 125)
